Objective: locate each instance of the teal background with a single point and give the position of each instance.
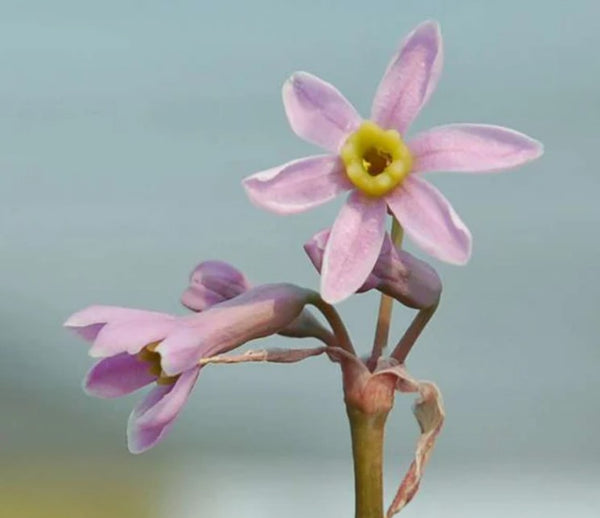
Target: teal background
(125, 129)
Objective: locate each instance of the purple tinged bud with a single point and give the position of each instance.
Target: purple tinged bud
(396, 273)
(212, 282)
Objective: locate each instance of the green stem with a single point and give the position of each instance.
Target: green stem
(367, 450)
(384, 317)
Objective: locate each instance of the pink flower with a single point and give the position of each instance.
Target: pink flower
(396, 273)
(139, 348)
(212, 282)
(382, 171)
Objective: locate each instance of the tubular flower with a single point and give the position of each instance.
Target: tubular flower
(382, 170)
(212, 282)
(139, 348)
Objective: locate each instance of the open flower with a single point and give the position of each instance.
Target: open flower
(140, 348)
(382, 171)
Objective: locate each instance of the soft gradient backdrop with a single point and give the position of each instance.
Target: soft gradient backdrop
(125, 129)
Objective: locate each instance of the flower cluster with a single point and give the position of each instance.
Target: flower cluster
(139, 348)
(383, 170)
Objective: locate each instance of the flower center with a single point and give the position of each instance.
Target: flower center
(152, 358)
(376, 160)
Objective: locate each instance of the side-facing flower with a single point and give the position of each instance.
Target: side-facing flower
(140, 348)
(381, 170)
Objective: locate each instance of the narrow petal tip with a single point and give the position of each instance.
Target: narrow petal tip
(410, 78)
(472, 148)
(152, 418)
(84, 317)
(432, 26)
(333, 294)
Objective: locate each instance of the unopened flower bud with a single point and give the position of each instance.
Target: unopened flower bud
(396, 273)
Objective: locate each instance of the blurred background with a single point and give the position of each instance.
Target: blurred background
(125, 130)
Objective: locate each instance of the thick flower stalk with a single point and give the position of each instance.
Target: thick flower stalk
(380, 167)
(369, 397)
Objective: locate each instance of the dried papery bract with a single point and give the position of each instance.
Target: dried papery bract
(429, 412)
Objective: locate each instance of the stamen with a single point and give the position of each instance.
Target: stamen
(152, 358)
(375, 161)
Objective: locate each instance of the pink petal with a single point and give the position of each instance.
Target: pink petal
(212, 282)
(184, 347)
(472, 148)
(152, 419)
(259, 312)
(318, 112)
(131, 335)
(89, 321)
(430, 221)
(117, 376)
(140, 439)
(299, 185)
(353, 246)
(396, 273)
(167, 407)
(410, 78)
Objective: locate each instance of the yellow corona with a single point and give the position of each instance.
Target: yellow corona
(376, 160)
(152, 358)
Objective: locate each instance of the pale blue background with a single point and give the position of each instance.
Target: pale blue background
(125, 129)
